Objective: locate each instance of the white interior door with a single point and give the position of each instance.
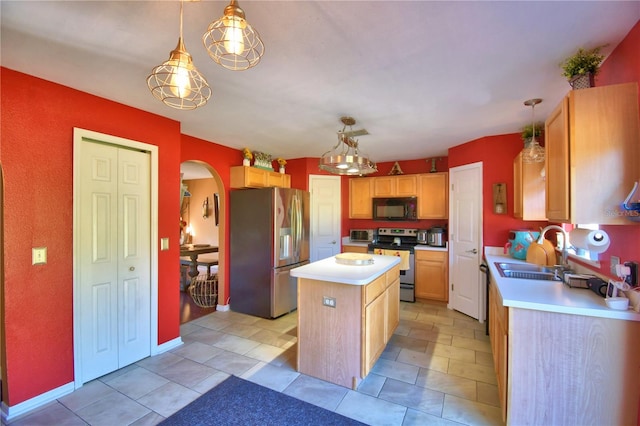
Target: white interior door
(325, 216)
(113, 255)
(465, 239)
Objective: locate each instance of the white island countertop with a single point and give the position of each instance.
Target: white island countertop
(551, 296)
(329, 270)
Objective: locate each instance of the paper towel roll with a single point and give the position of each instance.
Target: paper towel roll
(596, 241)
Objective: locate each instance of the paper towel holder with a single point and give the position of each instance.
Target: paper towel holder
(599, 236)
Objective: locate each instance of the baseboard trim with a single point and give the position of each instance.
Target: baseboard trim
(10, 413)
(167, 346)
(222, 308)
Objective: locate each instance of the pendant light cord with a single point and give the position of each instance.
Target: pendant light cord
(181, 4)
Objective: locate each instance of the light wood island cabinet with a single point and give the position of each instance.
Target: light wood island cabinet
(431, 275)
(253, 177)
(341, 343)
(592, 150)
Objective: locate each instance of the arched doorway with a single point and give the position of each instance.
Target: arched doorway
(202, 213)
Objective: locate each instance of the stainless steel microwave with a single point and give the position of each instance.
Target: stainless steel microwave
(400, 209)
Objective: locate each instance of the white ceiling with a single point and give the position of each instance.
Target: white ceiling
(420, 76)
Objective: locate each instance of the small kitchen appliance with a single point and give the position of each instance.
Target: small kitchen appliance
(422, 236)
(437, 236)
(361, 235)
(400, 240)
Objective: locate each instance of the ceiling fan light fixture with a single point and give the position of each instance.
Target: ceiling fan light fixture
(177, 82)
(532, 151)
(232, 42)
(344, 158)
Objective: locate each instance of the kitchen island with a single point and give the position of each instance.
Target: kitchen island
(346, 316)
(561, 356)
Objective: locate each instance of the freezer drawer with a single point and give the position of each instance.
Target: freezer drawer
(284, 290)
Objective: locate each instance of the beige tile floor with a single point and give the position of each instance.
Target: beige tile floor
(437, 370)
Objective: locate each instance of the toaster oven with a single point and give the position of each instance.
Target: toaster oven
(361, 235)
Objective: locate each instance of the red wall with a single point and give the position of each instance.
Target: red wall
(496, 154)
(36, 153)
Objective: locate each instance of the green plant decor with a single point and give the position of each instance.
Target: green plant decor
(527, 131)
(584, 61)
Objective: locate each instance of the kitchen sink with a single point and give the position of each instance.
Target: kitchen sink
(528, 271)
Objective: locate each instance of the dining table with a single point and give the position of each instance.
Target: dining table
(193, 251)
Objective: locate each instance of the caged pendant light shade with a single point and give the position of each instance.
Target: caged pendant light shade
(177, 82)
(344, 158)
(532, 152)
(232, 42)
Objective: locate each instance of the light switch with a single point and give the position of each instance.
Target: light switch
(38, 255)
(164, 244)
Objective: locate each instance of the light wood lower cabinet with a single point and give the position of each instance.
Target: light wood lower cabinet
(431, 275)
(341, 344)
(346, 248)
(253, 177)
(563, 369)
(498, 333)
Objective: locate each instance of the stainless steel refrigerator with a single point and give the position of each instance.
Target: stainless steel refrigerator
(269, 236)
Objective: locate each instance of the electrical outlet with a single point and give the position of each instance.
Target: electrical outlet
(329, 301)
(632, 279)
(615, 260)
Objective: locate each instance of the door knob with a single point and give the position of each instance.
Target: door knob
(474, 251)
(132, 268)
(333, 242)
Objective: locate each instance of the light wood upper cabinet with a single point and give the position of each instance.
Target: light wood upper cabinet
(432, 275)
(592, 148)
(528, 190)
(360, 198)
(395, 186)
(433, 196)
(253, 177)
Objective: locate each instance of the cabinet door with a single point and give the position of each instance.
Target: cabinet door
(354, 249)
(393, 308)
(276, 179)
(360, 198)
(384, 186)
(528, 190)
(498, 334)
(432, 196)
(374, 331)
(517, 186)
(431, 275)
(557, 163)
(406, 186)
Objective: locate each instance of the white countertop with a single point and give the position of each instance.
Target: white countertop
(430, 248)
(551, 296)
(347, 242)
(329, 270)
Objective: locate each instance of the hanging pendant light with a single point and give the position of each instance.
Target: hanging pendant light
(232, 42)
(177, 82)
(344, 158)
(532, 152)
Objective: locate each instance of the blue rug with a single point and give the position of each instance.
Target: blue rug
(239, 402)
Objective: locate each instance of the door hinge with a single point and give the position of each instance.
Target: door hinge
(452, 187)
(451, 286)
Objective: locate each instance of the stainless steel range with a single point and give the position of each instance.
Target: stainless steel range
(400, 240)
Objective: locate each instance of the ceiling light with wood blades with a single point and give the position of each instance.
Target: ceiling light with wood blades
(232, 42)
(177, 82)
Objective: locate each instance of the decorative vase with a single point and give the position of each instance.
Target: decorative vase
(582, 81)
(281, 170)
(246, 162)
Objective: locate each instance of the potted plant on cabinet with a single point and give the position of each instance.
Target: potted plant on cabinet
(581, 68)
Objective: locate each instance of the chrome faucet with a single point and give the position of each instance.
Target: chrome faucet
(565, 252)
